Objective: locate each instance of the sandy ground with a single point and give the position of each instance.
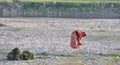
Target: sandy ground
(52, 36)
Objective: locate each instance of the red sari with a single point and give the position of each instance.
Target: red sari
(76, 38)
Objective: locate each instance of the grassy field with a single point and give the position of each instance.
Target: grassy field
(80, 1)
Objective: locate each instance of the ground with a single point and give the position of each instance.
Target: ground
(49, 39)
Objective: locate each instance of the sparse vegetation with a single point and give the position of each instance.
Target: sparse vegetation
(112, 61)
(102, 30)
(48, 55)
(113, 54)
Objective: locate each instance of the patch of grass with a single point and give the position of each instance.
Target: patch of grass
(113, 54)
(67, 55)
(16, 29)
(116, 54)
(102, 30)
(112, 61)
(112, 57)
(48, 55)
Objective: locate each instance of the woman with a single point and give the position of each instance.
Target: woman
(76, 38)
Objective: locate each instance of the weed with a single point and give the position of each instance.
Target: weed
(113, 54)
(102, 30)
(48, 55)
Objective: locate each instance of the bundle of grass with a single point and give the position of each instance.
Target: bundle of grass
(17, 54)
(28, 55)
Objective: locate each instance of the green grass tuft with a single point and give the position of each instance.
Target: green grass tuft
(113, 54)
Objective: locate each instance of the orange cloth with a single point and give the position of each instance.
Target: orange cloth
(76, 38)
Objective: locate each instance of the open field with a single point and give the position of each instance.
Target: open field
(49, 39)
(77, 1)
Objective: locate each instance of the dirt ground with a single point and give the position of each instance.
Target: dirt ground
(49, 39)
